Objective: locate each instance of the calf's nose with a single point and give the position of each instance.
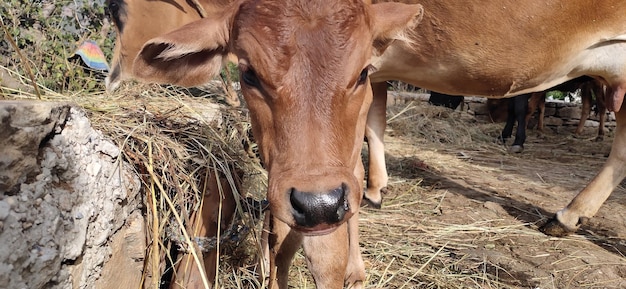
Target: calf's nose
(313, 209)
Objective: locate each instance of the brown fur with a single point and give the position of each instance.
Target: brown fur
(308, 115)
(138, 21)
(218, 197)
(302, 63)
(505, 48)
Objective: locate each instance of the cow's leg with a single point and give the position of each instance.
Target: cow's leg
(537, 102)
(602, 118)
(507, 131)
(374, 132)
(355, 272)
(600, 91)
(520, 110)
(327, 257)
(283, 244)
(531, 108)
(586, 98)
(542, 111)
(589, 200)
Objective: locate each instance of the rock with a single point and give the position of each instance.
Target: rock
(4, 210)
(553, 121)
(63, 199)
(23, 126)
(571, 112)
(591, 123)
(125, 267)
(550, 111)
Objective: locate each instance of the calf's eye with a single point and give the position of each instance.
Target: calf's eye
(249, 78)
(363, 76)
(114, 7)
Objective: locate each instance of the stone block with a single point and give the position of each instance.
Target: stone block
(480, 109)
(592, 123)
(571, 112)
(550, 111)
(611, 116)
(553, 121)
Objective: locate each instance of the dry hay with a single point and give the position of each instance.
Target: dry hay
(440, 125)
(462, 212)
(172, 139)
(404, 245)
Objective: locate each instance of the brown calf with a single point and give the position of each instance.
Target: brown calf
(137, 21)
(304, 68)
(506, 48)
(216, 211)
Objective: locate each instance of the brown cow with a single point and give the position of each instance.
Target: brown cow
(506, 48)
(137, 21)
(304, 68)
(216, 211)
(521, 108)
(599, 91)
(589, 88)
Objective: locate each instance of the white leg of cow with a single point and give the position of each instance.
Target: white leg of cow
(355, 273)
(327, 257)
(589, 200)
(375, 131)
(283, 244)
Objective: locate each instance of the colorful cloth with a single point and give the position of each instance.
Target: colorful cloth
(92, 55)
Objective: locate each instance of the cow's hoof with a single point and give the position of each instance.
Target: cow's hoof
(599, 138)
(370, 203)
(376, 204)
(516, 149)
(557, 229)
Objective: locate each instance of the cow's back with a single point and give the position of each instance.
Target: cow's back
(504, 47)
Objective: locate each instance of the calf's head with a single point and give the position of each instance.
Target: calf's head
(137, 21)
(304, 75)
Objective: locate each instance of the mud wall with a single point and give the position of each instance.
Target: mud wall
(69, 207)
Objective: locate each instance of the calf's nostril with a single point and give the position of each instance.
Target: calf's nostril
(312, 209)
(298, 205)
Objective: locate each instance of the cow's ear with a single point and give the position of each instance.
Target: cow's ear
(394, 21)
(189, 56)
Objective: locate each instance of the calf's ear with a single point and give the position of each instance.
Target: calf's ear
(189, 56)
(394, 21)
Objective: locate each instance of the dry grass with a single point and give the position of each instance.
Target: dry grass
(440, 125)
(169, 136)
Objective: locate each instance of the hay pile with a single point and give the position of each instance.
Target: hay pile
(172, 138)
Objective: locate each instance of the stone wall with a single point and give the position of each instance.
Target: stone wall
(69, 206)
(558, 114)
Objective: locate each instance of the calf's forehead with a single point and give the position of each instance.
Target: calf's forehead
(303, 37)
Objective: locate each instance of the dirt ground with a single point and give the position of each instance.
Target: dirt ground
(462, 212)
